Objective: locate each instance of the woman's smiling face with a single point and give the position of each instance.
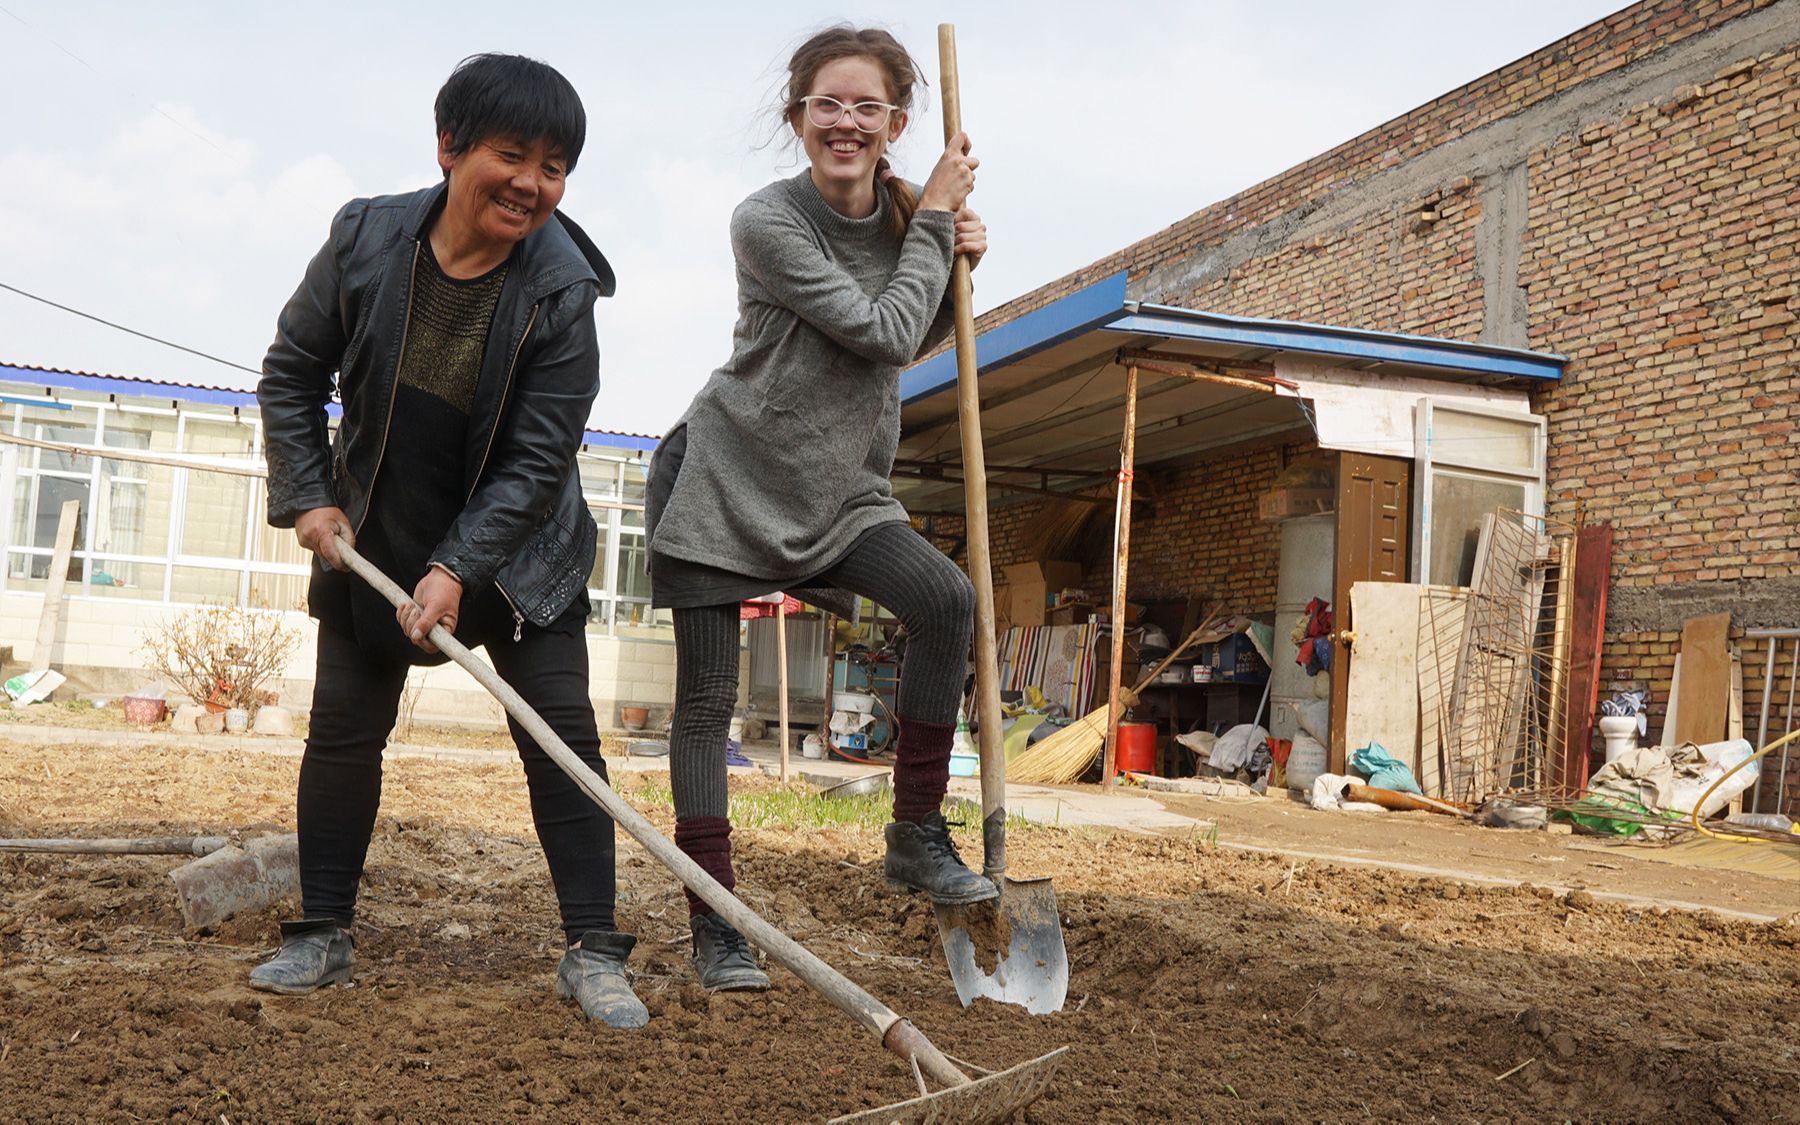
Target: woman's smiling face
(843, 158)
(502, 188)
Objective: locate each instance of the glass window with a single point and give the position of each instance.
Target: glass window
(599, 477)
(1488, 441)
(72, 426)
(45, 513)
(121, 578)
(634, 575)
(213, 520)
(1458, 504)
(204, 585)
(635, 484)
(279, 591)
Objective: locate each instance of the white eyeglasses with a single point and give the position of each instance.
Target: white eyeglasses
(866, 117)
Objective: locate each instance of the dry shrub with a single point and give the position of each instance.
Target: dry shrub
(221, 653)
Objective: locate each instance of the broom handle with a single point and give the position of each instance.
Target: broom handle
(981, 571)
(895, 1033)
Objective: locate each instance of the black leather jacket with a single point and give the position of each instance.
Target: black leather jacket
(525, 526)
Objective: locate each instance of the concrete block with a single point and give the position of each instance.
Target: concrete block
(272, 720)
(186, 718)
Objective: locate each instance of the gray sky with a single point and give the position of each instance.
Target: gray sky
(171, 166)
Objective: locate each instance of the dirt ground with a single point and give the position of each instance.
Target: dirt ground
(1208, 983)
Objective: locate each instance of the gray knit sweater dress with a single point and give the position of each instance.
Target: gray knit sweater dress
(781, 463)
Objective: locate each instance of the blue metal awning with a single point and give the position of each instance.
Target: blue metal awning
(1102, 307)
(1053, 398)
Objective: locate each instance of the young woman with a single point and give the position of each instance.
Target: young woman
(776, 478)
(458, 324)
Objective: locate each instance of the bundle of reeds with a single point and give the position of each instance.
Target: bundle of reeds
(1063, 530)
(1066, 755)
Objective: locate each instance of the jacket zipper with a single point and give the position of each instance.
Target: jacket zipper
(505, 389)
(518, 618)
(412, 277)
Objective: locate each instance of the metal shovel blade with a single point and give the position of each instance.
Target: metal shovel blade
(985, 1101)
(1019, 936)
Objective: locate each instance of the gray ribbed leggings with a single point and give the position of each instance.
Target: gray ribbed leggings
(894, 566)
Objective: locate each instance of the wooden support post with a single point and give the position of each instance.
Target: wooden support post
(1121, 568)
(781, 659)
(54, 583)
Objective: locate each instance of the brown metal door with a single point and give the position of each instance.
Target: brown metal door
(1373, 545)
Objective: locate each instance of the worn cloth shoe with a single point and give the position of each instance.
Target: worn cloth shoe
(592, 974)
(921, 856)
(723, 958)
(314, 952)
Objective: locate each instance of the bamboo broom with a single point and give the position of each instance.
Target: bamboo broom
(1066, 755)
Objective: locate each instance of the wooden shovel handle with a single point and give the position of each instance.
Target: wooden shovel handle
(981, 571)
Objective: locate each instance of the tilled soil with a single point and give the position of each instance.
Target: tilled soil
(1206, 984)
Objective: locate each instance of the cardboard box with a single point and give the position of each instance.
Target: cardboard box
(1073, 613)
(1282, 503)
(1031, 586)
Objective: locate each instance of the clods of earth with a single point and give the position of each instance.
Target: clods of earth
(1206, 984)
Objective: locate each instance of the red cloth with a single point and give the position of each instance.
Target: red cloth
(1318, 624)
(750, 611)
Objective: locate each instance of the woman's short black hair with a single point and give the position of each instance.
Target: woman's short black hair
(511, 96)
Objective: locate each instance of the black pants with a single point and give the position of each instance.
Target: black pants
(356, 697)
(893, 565)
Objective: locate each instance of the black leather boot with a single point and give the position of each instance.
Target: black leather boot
(723, 958)
(921, 856)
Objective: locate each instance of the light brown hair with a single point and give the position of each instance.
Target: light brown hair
(846, 42)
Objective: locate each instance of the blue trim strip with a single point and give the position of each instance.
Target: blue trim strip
(1062, 319)
(120, 385)
(1319, 339)
(178, 392)
(638, 442)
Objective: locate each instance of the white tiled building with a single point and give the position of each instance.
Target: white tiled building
(153, 538)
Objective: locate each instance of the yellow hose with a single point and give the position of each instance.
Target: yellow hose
(1694, 816)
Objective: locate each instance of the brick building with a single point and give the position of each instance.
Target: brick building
(1624, 198)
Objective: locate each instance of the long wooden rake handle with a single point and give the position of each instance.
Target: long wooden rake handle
(896, 1033)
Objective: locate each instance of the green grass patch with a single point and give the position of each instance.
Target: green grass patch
(803, 807)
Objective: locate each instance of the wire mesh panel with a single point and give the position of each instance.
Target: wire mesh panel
(1499, 726)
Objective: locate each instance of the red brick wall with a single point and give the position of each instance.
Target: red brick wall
(1194, 532)
(1622, 38)
(1658, 251)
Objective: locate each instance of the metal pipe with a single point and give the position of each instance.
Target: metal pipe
(1793, 674)
(1774, 637)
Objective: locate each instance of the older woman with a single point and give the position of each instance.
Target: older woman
(458, 324)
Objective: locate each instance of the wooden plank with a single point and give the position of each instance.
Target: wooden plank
(1734, 716)
(1705, 679)
(57, 579)
(1443, 611)
(1593, 570)
(1672, 712)
(1383, 703)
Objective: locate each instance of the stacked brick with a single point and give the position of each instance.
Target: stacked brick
(1658, 249)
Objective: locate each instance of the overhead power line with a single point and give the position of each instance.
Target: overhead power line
(177, 122)
(132, 331)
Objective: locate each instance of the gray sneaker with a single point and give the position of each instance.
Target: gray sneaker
(314, 952)
(592, 974)
(922, 857)
(723, 958)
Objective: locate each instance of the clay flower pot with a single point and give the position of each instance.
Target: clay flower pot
(634, 718)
